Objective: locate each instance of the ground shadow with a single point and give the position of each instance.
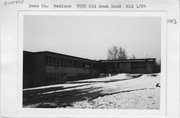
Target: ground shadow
(61, 99)
(35, 92)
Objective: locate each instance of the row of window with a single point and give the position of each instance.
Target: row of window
(134, 65)
(55, 77)
(139, 66)
(62, 77)
(54, 61)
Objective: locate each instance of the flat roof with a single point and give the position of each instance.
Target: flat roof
(60, 55)
(130, 60)
(103, 61)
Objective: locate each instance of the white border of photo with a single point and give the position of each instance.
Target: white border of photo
(45, 112)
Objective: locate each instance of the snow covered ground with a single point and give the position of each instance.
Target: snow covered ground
(123, 91)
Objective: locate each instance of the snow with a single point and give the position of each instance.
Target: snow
(118, 76)
(139, 93)
(51, 86)
(143, 99)
(122, 91)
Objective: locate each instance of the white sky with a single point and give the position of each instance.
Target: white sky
(91, 36)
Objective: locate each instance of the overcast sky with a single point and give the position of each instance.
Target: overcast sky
(91, 36)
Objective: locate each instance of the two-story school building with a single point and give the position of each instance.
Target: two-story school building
(46, 68)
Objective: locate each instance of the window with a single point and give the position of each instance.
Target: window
(71, 63)
(63, 62)
(74, 64)
(139, 65)
(58, 62)
(49, 60)
(54, 61)
(87, 65)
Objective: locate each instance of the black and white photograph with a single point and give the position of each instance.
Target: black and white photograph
(90, 59)
(91, 62)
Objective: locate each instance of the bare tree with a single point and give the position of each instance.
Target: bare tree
(117, 53)
(133, 57)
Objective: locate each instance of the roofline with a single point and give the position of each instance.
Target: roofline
(121, 60)
(59, 54)
(130, 60)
